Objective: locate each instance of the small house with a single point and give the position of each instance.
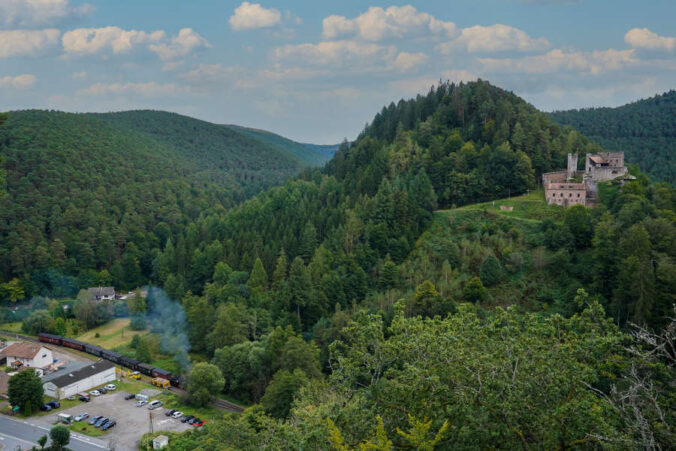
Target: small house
(27, 355)
(102, 293)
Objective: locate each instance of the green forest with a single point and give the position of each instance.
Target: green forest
(91, 197)
(385, 301)
(643, 130)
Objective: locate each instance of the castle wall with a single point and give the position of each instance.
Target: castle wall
(605, 173)
(566, 194)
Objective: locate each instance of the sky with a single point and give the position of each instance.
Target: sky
(318, 71)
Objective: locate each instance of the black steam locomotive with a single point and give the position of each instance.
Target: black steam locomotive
(113, 356)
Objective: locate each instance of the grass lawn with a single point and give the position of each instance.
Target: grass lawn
(14, 327)
(83, 427)
(111, 335)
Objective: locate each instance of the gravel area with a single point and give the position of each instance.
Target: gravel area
(132, 421)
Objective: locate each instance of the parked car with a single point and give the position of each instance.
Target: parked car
(95, 393)
(169, 412)
(46, 407)
(141, 402)
(71, 398)
(95, 419)
(109, 424)
(84, 398)
(154, 404)
(102, 390)
(135, 375)
(99, 423)
(110, 387)
(187, 418)
(54, 404)
(197, 422)
(129, 396)
(83, 416)
(176, 414)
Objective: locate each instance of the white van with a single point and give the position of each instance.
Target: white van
(154, 404)
(66, 418)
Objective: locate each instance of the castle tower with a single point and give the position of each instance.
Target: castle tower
(572, 165)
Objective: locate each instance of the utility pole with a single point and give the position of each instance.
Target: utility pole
(150, 428)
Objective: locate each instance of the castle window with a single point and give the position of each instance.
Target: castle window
(570, 194)
(578, 194)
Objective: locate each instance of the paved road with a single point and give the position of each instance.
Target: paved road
(26, 434)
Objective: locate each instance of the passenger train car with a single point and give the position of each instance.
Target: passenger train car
(112, 356)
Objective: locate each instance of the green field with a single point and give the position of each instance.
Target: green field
(111, 335)
(14, 327)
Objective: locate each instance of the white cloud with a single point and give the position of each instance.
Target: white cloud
(336, 53)
(249, 16)
(22, 81)
(406, 61)
(595, 62)
(643, 38)
(91, 41)
(149, 89)
(27, 42)
(186, 41)
(377, 24)
(79, 75)
(172, 66)
(27, 13)
(493, 38)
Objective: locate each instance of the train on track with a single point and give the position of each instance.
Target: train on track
(115, 357)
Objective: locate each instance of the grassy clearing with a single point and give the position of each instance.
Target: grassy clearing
(111, 335)
(530, 206)
(14, 327)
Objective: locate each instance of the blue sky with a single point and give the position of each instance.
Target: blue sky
(318, 71)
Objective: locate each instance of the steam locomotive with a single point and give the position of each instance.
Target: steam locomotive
(113, 356)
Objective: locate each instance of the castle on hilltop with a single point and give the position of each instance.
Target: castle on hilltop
(573, 187)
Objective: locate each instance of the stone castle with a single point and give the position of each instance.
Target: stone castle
(573, 187)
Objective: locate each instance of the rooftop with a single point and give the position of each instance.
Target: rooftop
(21, 350)
(83, 373)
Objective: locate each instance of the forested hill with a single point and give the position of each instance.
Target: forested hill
(644, 130)
(457, 145)
(88, 192)
(313, 154)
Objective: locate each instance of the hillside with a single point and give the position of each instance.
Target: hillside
(311, 154)
(89, 196)
(645, 130)
(387, 299)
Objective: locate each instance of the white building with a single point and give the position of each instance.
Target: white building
(81, 380)
(27, 355)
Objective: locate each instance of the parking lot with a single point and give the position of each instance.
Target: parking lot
(132, 421)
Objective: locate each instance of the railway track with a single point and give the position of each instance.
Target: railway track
(217, 403)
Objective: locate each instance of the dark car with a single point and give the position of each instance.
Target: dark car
(129, 396)
(187, 418)
(46, 407)
(108, 424)
(84, 398)
(169, 412)
(101, 421)
(103, 390)
(95, 419)
(54, 404)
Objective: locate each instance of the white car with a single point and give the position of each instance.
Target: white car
(141, 402)
(95, 393)
(83, 416)
(111, 387)
(177, 414)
